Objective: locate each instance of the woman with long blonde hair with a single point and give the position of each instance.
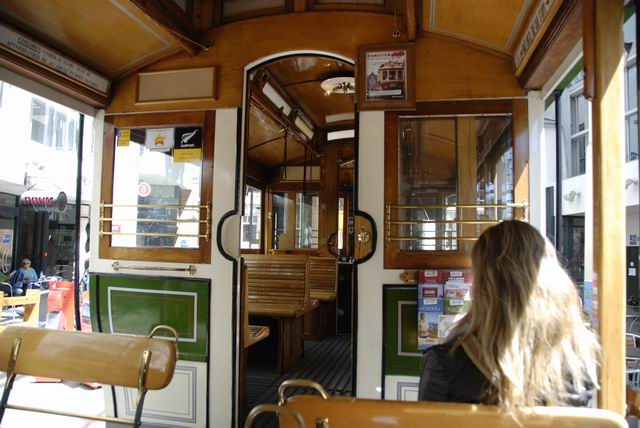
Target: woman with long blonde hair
(524, 341)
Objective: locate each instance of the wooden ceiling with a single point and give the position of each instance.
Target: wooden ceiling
(301, 76)
(114, 37)
(297, 79)
(496, 25)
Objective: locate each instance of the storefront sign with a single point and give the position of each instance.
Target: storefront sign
(32, 50)
(44, 201)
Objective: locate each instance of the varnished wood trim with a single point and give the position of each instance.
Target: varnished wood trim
(177, 255)
(609, 252)
(410, 19)
(386, 8)
(561, 36)
(54, 80)
(588, 48)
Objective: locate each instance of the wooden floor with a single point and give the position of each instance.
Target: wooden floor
(327, 362)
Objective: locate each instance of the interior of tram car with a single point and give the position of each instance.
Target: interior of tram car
(227, 213)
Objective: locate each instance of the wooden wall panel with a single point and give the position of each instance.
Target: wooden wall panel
(445, 68)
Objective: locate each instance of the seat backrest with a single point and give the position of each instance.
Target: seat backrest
(88, 357)
(349, 412)
(323, 277)
(277, 280)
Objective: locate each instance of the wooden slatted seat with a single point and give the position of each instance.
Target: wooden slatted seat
(31, 303)
(323, 278)
(278, 287)
(342, 412)
(252, 334)
(144, 363)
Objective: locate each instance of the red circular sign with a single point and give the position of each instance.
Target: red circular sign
(144, 189)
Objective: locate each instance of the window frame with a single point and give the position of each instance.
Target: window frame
(577, 92)
(629, 113)
(394, 258)
(206, 119)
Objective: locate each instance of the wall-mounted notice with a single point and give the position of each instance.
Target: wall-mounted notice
(188, 146)
(32, 50)
(160, 139)
(444, 297)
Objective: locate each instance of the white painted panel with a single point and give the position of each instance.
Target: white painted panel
(181, 403)
(371, 275)
(401, 388)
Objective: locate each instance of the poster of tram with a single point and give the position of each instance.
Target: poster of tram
(386, 77)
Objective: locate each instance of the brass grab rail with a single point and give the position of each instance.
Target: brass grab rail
(191, 269)
(389, 221)
(206, 222)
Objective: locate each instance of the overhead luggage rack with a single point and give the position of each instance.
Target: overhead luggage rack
(207, 222)
(473, 225)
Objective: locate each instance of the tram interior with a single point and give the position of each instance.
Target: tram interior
(237, 199)
(298, 192)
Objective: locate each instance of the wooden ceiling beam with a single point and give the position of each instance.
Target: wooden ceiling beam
(410, 19)
(172, 19)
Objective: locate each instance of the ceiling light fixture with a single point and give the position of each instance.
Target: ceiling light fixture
(338, 85)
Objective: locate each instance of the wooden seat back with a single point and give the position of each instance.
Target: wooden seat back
(277, 285)
(323, 278)
(342, 412)
(31, 303)
(88, 357)
(251, 334)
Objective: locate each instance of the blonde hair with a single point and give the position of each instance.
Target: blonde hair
(526, 320)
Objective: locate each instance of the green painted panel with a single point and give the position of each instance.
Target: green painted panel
(401, 354)
(134, 305)
(409, 330)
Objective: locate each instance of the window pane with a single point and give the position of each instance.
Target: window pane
(579, 114)
(632, 136)
(429, 180)
(307, 209)
(632, 88)
(38, 120)
(148, 172)
(251, 219)
(282, 237)
(427, 176)
(340, 223)
(577, 164)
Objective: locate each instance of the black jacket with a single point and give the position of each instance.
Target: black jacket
(452, 376)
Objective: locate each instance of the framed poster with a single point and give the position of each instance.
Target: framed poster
(386, 77)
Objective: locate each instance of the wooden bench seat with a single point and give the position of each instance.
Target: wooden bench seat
(323, 283)
(323, 278)
(144, 363)
(341, 412)
(278, 287)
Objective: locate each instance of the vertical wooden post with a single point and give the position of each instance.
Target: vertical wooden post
(608, 200)
(328, 198)
(467, 176)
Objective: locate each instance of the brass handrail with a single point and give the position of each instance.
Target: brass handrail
(465, 206)
(389, 221)
(443, 221)
(152, 220)
(176, 207)
(206, 222)
(163, 234)
(191, 269)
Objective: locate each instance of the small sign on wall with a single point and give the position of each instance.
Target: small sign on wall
(633, 240)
